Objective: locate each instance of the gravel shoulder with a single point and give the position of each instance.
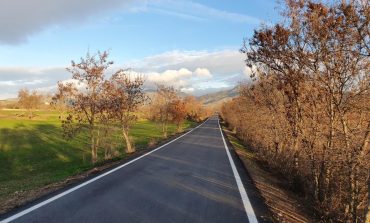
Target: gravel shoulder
(285, 205)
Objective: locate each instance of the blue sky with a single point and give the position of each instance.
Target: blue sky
(192, 45)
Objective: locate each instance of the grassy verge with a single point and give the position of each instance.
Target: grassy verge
(33, 153)
(284, 204)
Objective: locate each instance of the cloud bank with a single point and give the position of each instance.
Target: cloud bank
(195, 72)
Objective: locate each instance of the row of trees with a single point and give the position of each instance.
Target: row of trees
(307, 112)
(29, 101)
(167, 106)
(99, 105)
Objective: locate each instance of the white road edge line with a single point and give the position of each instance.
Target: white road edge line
(243, 193)
(36, 206)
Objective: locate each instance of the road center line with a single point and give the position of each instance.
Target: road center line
(39, 205)
(243, 193)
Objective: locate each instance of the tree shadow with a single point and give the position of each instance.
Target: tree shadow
(38, 154)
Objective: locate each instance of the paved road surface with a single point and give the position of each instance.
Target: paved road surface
(188, 180)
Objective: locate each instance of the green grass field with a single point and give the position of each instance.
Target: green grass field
(33, 153)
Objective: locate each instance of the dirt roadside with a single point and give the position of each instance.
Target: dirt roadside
(285, 205)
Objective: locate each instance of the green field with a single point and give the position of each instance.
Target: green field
(33, 153)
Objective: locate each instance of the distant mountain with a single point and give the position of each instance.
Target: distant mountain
(219, 97)
(151, 92)
(216, 98)
(9, 100)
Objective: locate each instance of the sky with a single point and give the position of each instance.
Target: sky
(192, 45)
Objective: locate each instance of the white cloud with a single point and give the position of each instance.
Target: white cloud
(247, 71)
(196, 11)
(8, 83)
(177, 14)
(182, 79)
(195, 72)
(223, 62)
(203, 72)
(168, 76)
(188, 90)
(14, 78)
(226, 68)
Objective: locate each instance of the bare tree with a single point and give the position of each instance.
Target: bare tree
(63, 97)
(160, 109)
(125, 94)
(195, 109)
(29, 100)
(311, 97)
(88, 103)
(178, 113)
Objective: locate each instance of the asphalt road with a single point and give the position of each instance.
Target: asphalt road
(188, 180)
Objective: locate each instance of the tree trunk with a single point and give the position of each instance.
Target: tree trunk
(178, 129)
(30, 113)
(164, 129)
(367, 218)
(129, 148)
(92, 146)
(97, 142)
(93, 153)
(321, 182)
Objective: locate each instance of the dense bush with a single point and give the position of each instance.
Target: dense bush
(307, 111)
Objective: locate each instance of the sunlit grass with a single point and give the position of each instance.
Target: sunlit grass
(237, 144)
(33, 153)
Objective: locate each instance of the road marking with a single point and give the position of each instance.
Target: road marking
(36, 206)
(243, 193)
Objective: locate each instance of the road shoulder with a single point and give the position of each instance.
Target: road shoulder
(281, 204)
(257, 201)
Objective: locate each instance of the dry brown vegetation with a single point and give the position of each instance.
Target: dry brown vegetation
(62, 97)
(123, 96)
(29, 100)
(307, 112)
(100, 104)
(167, 106)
